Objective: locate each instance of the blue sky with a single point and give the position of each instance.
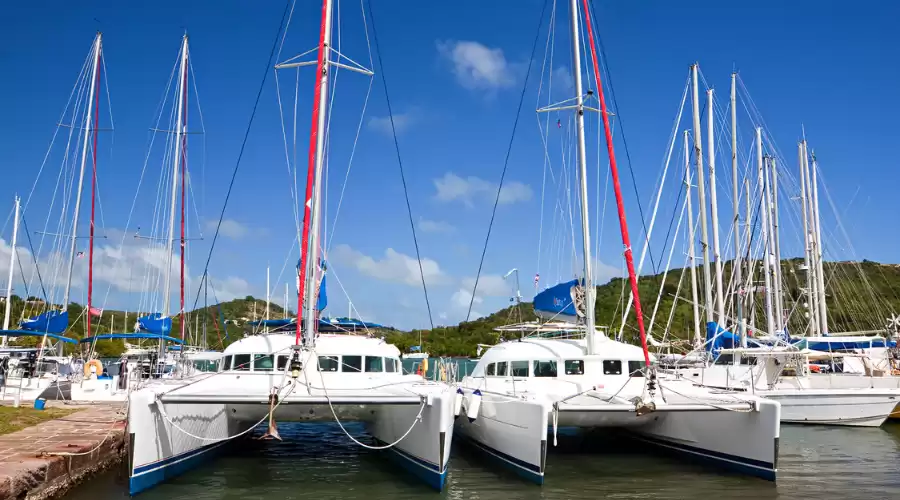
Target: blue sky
(455, 71)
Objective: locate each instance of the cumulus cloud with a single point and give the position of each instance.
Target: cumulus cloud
(467, 190)
(435, 226)
(394, 267)
(230, 228)
(490, 285)
(402, 121)
(477, 66)
(462, 297)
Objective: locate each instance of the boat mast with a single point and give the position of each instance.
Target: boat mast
(698, 338)
(764, 206)
(267, 294)
(751, 286)
(617, 188)
(811, 313)
(309, 245)
(84, 152)
(820, 270)
(711, 152)
(776, 238)
(736, 222)
(9, 281)
(179, 137)
(90, 290)
(701, 198)
(813, 290)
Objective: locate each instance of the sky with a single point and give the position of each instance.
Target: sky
(454, 72)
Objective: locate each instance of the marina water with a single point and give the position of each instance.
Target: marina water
(318, 462)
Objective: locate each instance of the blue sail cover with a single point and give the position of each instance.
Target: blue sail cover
(322, 303)
(717, 337)
(47, 322)
(155, 323)
(558, 301)
(843, 344)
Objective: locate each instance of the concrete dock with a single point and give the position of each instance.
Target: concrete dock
(46, 460)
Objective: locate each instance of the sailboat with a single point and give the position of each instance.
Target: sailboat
(303, 376)
(575, 376)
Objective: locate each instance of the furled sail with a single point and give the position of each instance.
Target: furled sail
(562, 302)
(47, 322)
(155, 323)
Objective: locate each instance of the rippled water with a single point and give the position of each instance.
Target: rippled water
(317, 462)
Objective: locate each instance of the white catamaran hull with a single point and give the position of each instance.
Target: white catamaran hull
(853, 407)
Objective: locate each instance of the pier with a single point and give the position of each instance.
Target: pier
(44, 461)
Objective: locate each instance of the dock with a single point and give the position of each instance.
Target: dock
(48, 459)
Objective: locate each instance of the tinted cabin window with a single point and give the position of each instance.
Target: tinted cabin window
(635, 369)
(281, 362)
(263, 362)
(242, 362)
(612, 367)
(226, 364)
(574, 367)
(544, 368)
(329, 363)
(490, 370)
(352, 364)
(501, 369)
(390, 365)
(374, 364)
(518, 368)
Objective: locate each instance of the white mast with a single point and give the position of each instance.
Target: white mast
(285, 300)
(267, 294)
(764, 205)
(179, 133)
(810, 282)
(582, 169)
(9, 282)
(701, 199)
(736, 222)
(820, 270)
(810, 241)
(698, 339)
(751, 294)
(312, 262)
(84, 152)
(776, 238)
(711, 152)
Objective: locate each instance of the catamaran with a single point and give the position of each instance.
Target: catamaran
(575, 376)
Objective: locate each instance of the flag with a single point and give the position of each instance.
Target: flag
(537, 279)
(558, 123)
(95, 312)
(79, 254)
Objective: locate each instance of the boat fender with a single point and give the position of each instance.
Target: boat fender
(474, 405)
(457, 402)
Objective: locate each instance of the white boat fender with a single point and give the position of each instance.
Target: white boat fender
(457, 403)
(474, 405)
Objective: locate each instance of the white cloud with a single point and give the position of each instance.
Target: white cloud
(477, 66)
(231, 288)
(604, 272)
(452, 187)
(394, 267)
(402, 121)
(462, 297)
(230, 228)
(490, 285)
(435, 226)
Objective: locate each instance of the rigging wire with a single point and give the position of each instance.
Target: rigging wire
(400, 163)
(508, 153)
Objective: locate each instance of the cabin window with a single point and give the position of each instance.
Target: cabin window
(281, 362)
(242, 362)
(374, 364)
(518, 368)
(390, 365)
(329, 363)
(574, 366)
(263, 362)
(635, 368)
(352, 364)
(544, 368)
(612, 367)
(491, 369)
(501, 369)
(226, 364)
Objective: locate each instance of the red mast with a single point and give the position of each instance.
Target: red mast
(626, 241)
(183, 175)
(93, 195)
(311, 169)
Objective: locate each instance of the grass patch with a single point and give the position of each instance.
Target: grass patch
(14, 419)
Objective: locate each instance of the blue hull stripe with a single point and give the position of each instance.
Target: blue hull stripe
(428, 472)
(749, 466)
(524, 469)
(149, 475)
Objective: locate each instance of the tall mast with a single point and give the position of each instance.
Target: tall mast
(810, 295)
(9, 281)
(617, 187)
(88, 117)
(711, 152)
(701, 198)
(688, 193)
(736, 222)
(776, 238)
(90, 290)
(311, 221)
(179, 137)
(751, 288)
(810, 241)
(764, 210)
(820, 270)
(582, 175)
(267, 293)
